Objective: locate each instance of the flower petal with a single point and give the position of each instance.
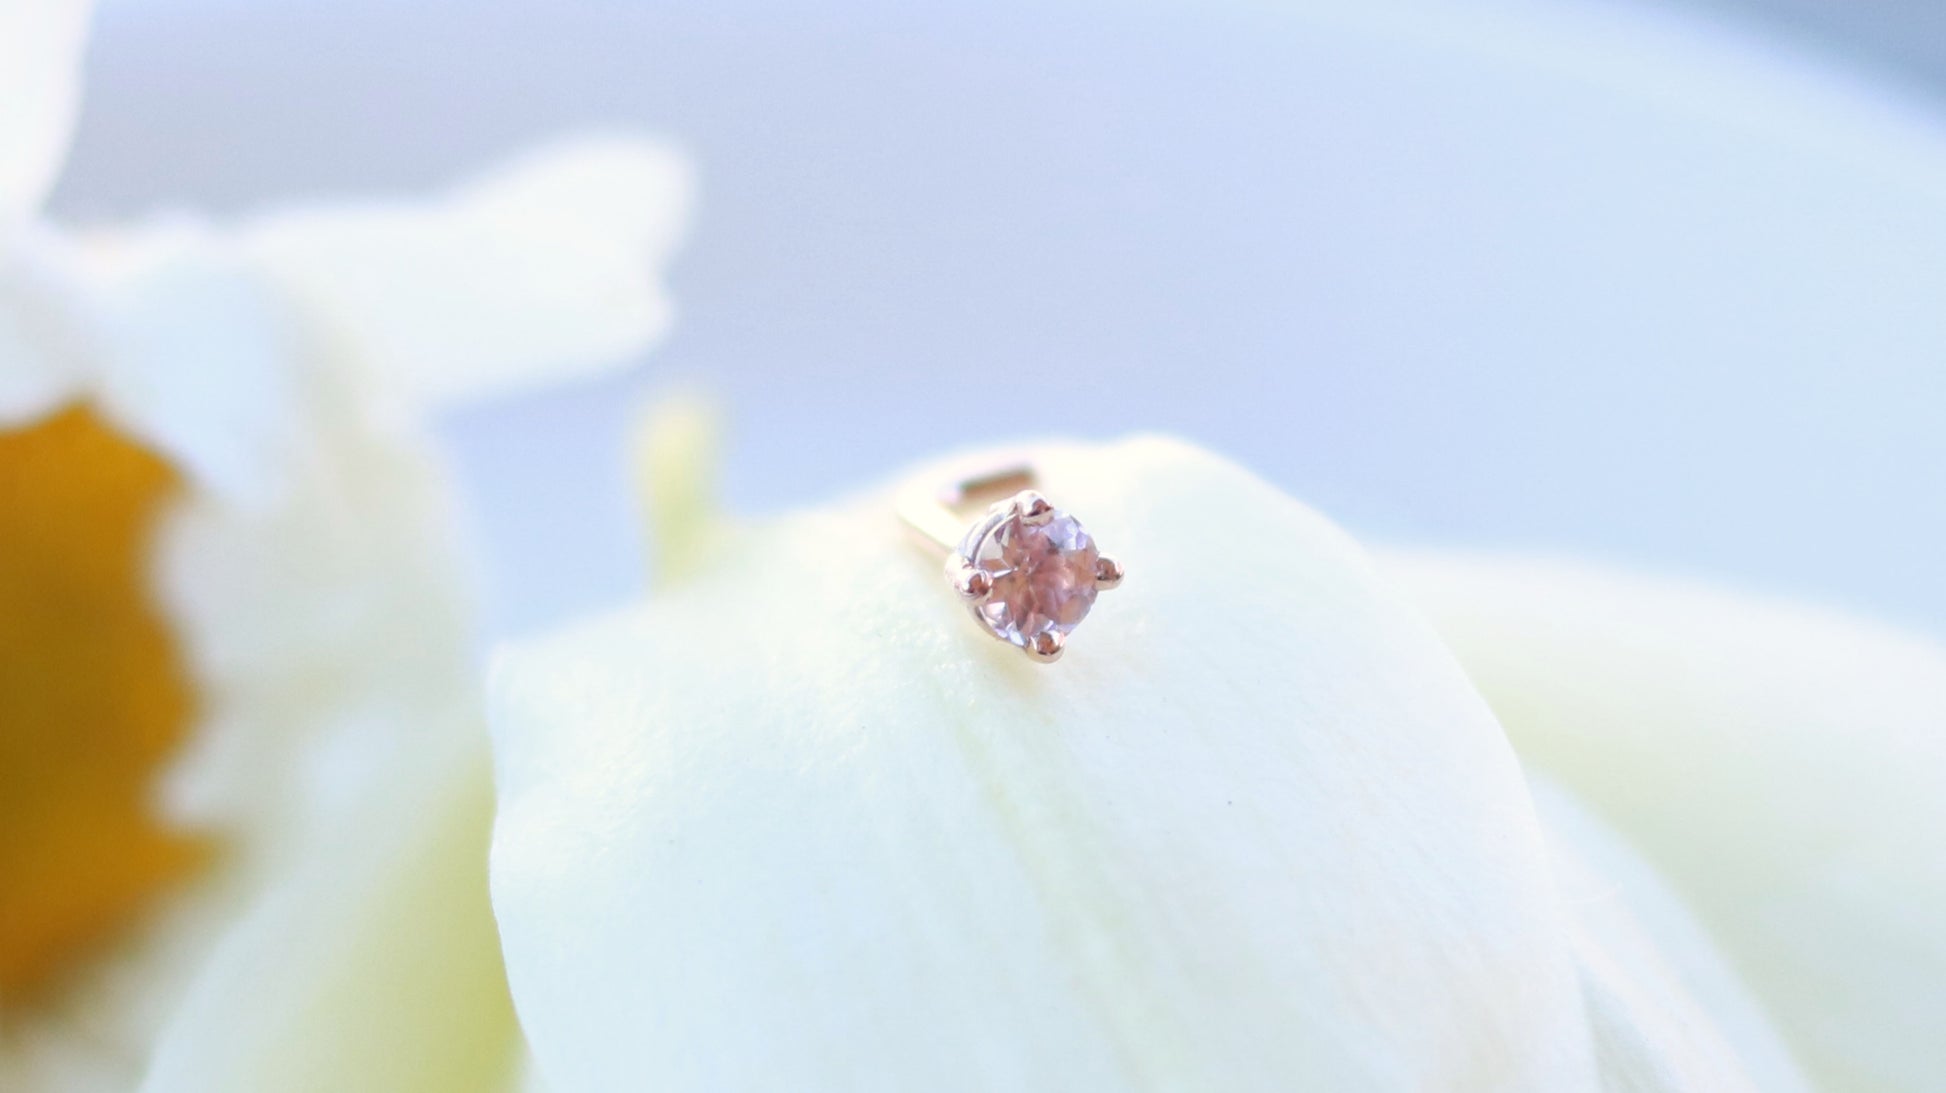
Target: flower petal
(1664, 1009)
(549, 267)
(40, 361)
(1783, 767)
(375, 966)
(189, 350)
(312, 571)
(796, 823)
(41, 42)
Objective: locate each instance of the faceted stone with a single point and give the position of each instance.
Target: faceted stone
(1043, 576)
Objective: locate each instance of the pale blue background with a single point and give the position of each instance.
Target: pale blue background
(1589, 278)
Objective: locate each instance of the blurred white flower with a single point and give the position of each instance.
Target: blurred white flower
(234, 598)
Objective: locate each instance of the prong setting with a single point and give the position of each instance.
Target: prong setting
(1026, 571)
(1108, 573)
(1046, 646)
(1033, 509)
(973, 584)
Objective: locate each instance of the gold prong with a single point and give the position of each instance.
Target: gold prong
(1032, 508)
(1108, 572)
(1045, 647)
(973, 584)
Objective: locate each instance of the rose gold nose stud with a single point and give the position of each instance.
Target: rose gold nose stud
(1028, 571)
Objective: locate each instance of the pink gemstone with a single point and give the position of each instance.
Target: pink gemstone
(1043, 576)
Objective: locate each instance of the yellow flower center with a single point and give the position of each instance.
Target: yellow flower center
(93, 699)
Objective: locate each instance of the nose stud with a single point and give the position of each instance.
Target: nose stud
(1027, 571)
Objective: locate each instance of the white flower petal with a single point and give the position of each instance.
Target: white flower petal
(796, 824)
(547, 268)
(191, 352)
(1783, 767)
(41, 42)
(315, 581)
(41, 355)
(313, 568)
(312, 571)
(1665, 1010)
(326, 625)
(373, 967)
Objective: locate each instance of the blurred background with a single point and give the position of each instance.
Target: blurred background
(1659, 283)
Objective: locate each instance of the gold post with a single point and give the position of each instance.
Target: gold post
(940, 520)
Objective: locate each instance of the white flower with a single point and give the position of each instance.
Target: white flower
(233, 583)
(793, 823)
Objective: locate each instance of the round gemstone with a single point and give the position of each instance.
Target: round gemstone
(1043, 576)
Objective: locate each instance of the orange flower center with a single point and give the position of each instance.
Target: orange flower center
(93, 699)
